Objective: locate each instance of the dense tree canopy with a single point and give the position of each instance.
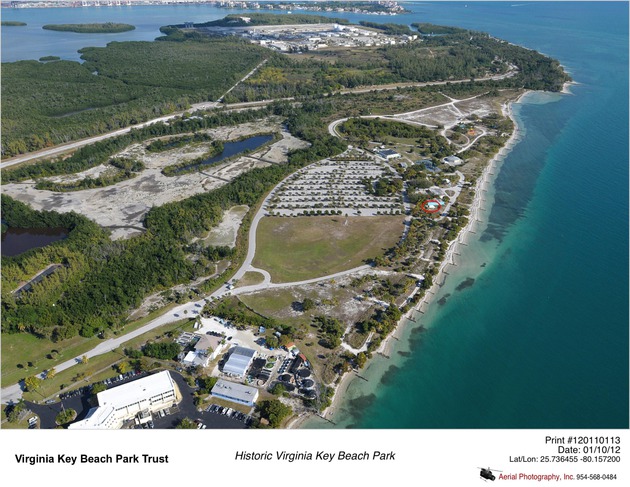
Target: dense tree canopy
(45, 104)
(274, 411)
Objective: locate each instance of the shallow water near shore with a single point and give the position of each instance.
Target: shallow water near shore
(540, 338)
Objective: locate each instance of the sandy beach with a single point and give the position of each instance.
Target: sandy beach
(566, 88)
(482, 185)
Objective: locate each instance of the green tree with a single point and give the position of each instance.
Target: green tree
(278, 389)
(272, 341)
(186, 424)
(66, 416)
(98, 387)
(13, 411)
(32, 383)
(361, 359)
(123, 367)
(163, 350)
(206, 383)
(308, 304)
(274, 411)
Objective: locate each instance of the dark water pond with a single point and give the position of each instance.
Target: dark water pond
(18, 240)
(230, 149)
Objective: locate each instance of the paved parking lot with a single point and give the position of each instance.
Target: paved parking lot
(79, 401)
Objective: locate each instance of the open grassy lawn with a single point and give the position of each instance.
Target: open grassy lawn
(21, 348)
(250, 278)
(99, 367)
(300, 248)
(18, 349)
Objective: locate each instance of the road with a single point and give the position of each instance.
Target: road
(14, 393)
(398, 117)
(60, 149)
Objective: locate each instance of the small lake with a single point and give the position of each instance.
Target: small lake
(18, 240)
(231, 149)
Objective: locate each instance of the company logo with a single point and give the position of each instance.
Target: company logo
(487, 474)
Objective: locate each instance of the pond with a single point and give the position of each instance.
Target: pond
(230, 149)
(18, 240)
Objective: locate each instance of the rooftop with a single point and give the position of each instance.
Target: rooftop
(137, 390)
(237, 391)
(208, 341)
(239, 361)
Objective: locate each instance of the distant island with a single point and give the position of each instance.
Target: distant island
(49, 58)
(104, 28)
(12, 23)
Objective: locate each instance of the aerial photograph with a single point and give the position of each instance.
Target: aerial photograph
(312, 215)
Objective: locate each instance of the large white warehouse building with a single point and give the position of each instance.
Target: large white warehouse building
(239, 361)
(122, 403)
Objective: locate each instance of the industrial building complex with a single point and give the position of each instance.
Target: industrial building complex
(310, 37)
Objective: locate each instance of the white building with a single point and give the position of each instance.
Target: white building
(452, 160)
(194, 358)
(122, 403)
(206, 349)
(234, 392)
(239, 361)
(388, 154)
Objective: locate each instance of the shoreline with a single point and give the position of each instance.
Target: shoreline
(476, 206)
(566, 87)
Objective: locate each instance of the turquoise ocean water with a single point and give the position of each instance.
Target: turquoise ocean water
(540, 340)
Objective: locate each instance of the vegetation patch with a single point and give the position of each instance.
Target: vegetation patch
(299, 248)
(361, 131)
(98, 28)
(45, 104)
(273, 411)
(250, 279)
(12, 23)
(123, 169)
(236, 20)
(49, 58)
(66, 416)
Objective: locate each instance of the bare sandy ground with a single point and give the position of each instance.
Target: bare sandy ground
(122, 207)
(225, 232)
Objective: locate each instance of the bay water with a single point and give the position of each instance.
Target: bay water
(537, 337)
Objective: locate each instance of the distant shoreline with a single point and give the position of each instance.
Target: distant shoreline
(34, 4)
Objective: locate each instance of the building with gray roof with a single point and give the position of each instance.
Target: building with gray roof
(234, 392)
(239, 361)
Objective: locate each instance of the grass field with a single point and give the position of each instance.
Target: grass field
(22, 348)
(250, 278)
(99, 367)
(295, 249)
